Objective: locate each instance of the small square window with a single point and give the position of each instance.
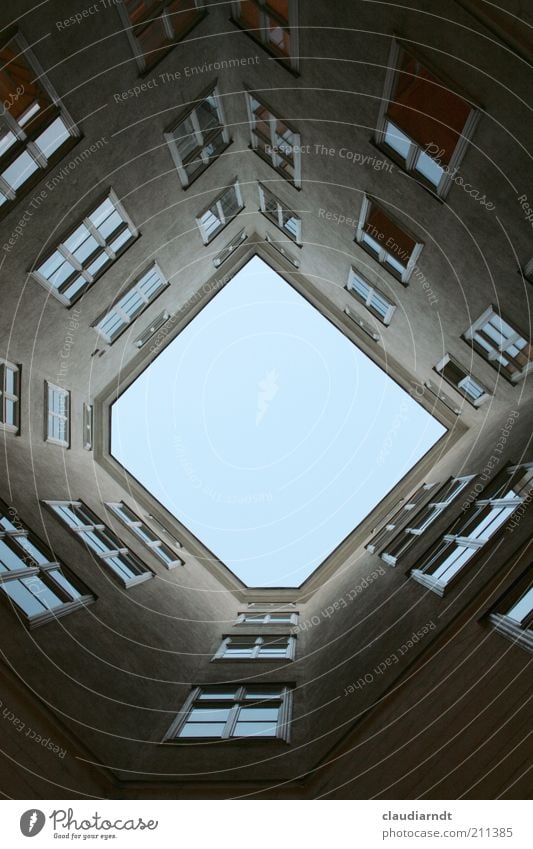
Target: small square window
(257, 647)
(153, 27)
(280, 215)
(274, 140)
(57, 407)
(504, 347)
(87, 426)
(375, 301)
(388, 241)
(198, 138)
(220, 213)
(9, 397)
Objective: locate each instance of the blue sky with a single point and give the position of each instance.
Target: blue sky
(266, 432)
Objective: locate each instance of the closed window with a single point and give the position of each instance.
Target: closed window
(271, 618)
(35, 128)
(145, 290)
(262, 712)
(39, 587)
(101, 540)
(375, 301)
(397, 518)
(57, 407)
(145, 534)
(153, 27)
(274, 23)
(9, 396)
(198, 138)
(255, 647)
(513, 615)
(221, 211)
(423, 124)
(280, 215)
(274, 140)
(89, 249)
(473, 531)
(87, 426)
(387, 240)
(505, 348)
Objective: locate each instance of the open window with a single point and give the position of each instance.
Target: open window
(459, 377)
(507, 349)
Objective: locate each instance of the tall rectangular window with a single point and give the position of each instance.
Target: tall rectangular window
(31, 579)
(89, 249)
(220, 212)
(423, 124)
(145, 534)
(513, 615)
(457, 376)
(274, 141)
(257, 647)
(130, 305)
(280, 215)
(505, 348)
(9, 396)
(197, 138)
(375, 301)
(153, 27)
(472, 532)
(274, 24)
(57, 411)
(387, 240)
(35, 128)
(234, 711)
(86, 526)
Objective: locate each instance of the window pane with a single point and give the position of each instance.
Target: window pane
(207, 714)
(202, 729)
(65, 584)
(522, 608)
(20, 170)
(427, 166)
(397, 140)
(20, 594)
(254, 729)
(10, 561)
(53, 137)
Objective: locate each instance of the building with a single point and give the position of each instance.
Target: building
(376, 158)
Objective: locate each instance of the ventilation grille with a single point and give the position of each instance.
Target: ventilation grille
(152, 328)
(277, 245)
(232, 246)
(364, 325)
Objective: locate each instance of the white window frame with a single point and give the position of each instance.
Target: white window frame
(267, 618)
(161, 52)
(520, 630)
(409, 162)
(392, 526)
(276, 155)
(216, 203)
(255, 650)
(262, 36)
(88, 425)
(373, 293)
(476, 402)
(140, 530)
(131, 570)
(199, 698)
(62, 416)
(14, 397)
(425, 516)
(116, 310)
(470, 522)
(37, 563)
(282, 212)
(383, 256)
(27, 144)
(492, 357)
(203, 140)
(81, 269)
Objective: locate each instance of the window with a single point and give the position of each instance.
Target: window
(9, 396)
(445, 496)
(256, 648)
(274, 140)
(423, 124)
(513, 616)
(141, 530)
(57, 407)
(501, 344)
(87, 426)
(87, 252)
(30, 577)
(234, 711)
(274, 618)
(398, 517)
(230, 248)
(473, 530)
(458, 377)
(374, 300)
(224, 209)
(198, 138)
(274, 23)
(388, 241)
(280, 215)
(84, 524)
(130, 305)
(153, 27)
(35, 128)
